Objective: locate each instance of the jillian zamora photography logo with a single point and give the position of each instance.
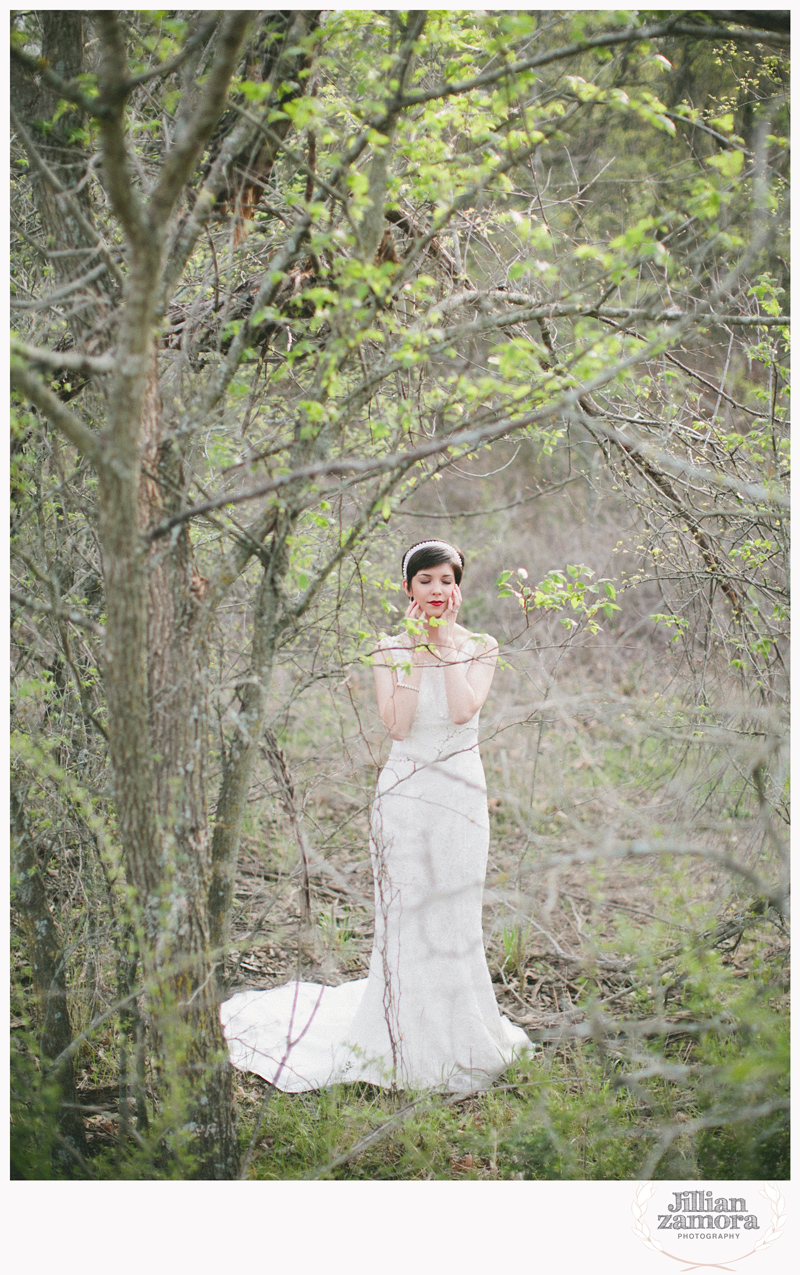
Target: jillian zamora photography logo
(714, 1226)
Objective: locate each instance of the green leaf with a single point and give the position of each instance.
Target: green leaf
(728, 164)
(254, 90)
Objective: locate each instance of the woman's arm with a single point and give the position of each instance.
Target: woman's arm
(468, 679)
(397, 701)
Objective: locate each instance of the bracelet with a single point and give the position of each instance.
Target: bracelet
(406, 686)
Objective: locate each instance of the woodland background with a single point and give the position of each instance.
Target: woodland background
(290, 291)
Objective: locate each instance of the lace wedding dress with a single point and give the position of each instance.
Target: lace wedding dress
(426, 1017)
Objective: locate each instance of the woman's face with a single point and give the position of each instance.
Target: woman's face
(432, 588)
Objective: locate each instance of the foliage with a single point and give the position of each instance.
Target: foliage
(34, 1113)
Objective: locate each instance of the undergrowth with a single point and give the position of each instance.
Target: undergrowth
(571, 1114)
(694, 1102)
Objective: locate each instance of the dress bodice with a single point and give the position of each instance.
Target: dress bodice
(433, 734)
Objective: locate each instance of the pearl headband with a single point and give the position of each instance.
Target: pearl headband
(427, 544)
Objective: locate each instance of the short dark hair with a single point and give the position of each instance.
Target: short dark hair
(434, 556)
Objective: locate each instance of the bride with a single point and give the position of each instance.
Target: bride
(426, 1017)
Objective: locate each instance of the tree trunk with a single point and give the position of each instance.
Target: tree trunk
(62, 199)
(184, 1005)
(154, 686)
(153, 667)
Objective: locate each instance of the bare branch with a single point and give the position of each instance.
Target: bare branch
(740, 35)
(724, 140)
(571, 402)
(67, 198)
(181, 158)
(629, 314)
(60, 613)
(466, 440)
(774, 894)
(166, 68)
(273, 279)
(367, 520)
(41, 69)
(43, 303)
(607, 39)
(70, 425)
(684, 468)
(233, 145)
(535, 312)
(186, 236)
(116, 172)
(64, 360)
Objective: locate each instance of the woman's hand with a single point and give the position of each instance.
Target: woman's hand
(444, 633)
(414, 612)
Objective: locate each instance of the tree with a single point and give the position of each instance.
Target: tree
(299, 265)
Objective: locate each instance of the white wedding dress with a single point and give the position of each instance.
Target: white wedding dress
(426, 1017)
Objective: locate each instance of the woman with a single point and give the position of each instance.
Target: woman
(426, 1017)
